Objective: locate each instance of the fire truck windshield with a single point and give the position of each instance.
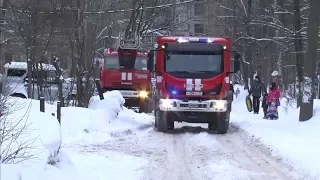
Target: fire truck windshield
(125, 62)
(193, 62)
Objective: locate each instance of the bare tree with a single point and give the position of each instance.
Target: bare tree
(15, 146)
(277, 36)
(33, 22)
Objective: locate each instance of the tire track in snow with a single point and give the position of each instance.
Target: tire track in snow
(178, 163)
(182, 155)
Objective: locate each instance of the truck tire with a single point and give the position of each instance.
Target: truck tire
(144, 107)
(223, 120)
(212, 117)
(212, 125)
(162, 123)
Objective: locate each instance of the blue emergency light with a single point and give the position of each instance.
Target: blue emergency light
(174, 92)
(194, 39)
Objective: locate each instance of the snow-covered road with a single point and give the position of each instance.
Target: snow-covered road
(190, 153)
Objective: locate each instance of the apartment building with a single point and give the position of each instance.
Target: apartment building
(190, 19)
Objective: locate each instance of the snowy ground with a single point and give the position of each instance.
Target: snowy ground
(295, 143)
(80, 127)
(107, 141)
(28, 136)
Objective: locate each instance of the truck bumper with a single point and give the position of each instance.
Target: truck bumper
(193, 117)
(175, 105)
(134, 98)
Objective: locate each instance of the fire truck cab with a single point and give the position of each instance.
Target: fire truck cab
(193, 81)
(128, 70)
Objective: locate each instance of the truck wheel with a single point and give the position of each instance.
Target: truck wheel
(145, 107)
(170, 124)
(223, 122)
(212, 125)
(161, 122)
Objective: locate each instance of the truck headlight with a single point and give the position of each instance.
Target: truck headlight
(219, 104)
(143, 94)
(166, 103)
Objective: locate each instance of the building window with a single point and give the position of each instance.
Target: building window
(199, 9)
(199, 28)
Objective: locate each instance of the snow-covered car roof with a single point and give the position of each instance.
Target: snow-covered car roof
(23, 65)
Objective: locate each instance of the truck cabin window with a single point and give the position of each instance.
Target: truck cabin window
(16, 72)
(193, 62)
(125, 62)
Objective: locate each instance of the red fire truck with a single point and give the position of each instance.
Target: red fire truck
(193, 81)
(128, 70)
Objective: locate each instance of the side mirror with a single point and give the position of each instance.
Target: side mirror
(235, 64)
(150, 61)
(237, 56)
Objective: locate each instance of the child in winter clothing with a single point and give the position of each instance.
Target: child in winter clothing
(273, 102)
(274, 94)
(272, 111)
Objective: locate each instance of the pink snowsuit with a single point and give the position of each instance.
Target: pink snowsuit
(274, 94)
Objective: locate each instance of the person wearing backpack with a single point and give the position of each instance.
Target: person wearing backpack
(256, 90)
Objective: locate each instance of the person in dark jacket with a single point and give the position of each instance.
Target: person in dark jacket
(256, 90)
(265, 105)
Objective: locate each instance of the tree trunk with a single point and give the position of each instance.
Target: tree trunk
(306, 109)
(248, 47)
(298, 48)
(60, 92)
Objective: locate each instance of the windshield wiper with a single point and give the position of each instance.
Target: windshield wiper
(208, 71)
(190, 71)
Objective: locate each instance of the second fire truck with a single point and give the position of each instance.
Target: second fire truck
(128, 69)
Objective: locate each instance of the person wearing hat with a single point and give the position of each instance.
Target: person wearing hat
(256, 90)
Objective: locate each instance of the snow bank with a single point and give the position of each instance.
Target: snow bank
(103, 118)
(295, 142)
(128, 115)
(80, 127)
(84, 126)
(96, 165)
(84, 131)
(112, 102)
(36, 134)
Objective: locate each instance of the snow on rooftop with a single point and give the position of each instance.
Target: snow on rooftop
(155, 32)
(23, 65)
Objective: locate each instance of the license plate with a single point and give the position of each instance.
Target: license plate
(194, 93)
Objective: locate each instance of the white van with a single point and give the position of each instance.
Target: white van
(15, 81)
